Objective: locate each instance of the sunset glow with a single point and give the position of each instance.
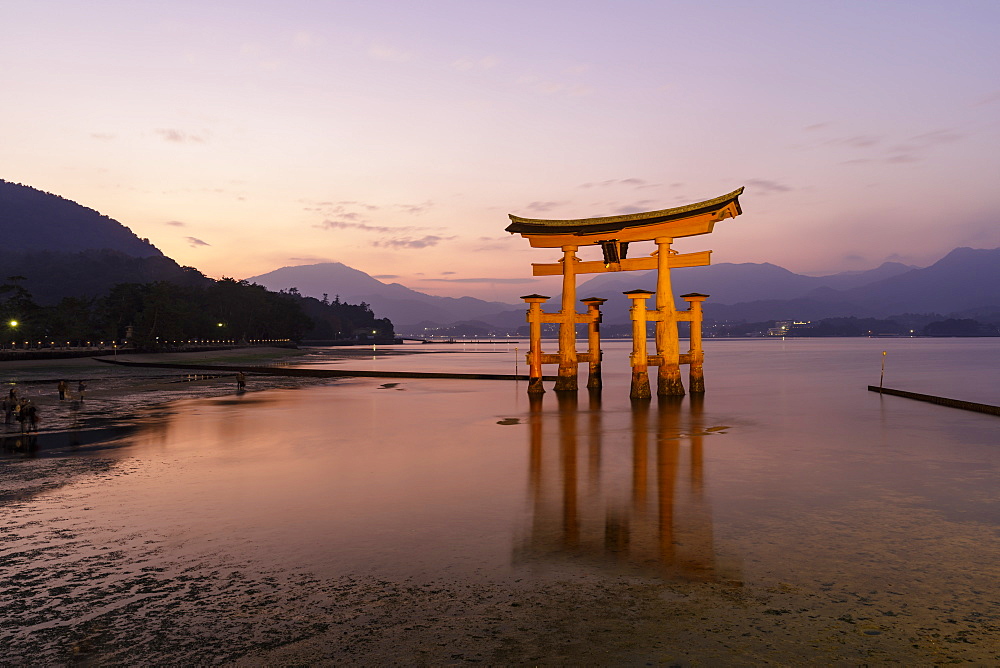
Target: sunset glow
(395, 137)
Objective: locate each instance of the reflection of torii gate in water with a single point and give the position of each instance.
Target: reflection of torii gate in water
(613, 234)
(595, 501)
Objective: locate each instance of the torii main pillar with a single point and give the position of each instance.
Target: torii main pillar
(668, 378)
(614, 234)
(566, 381)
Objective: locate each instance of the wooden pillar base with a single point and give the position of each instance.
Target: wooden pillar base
(668, 382)
(594, 381)
(640, 385)
(535, 386)
(697, 380)
(566, 382)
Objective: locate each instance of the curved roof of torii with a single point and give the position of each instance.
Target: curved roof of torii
(710, 211)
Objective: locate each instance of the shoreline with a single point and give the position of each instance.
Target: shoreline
(115, 396)
(41, 354)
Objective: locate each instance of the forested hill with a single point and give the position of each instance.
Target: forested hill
(70, 274)
(52, 275)
(31, 219)
(162, 313)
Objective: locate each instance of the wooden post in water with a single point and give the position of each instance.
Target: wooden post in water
(534, 318)
(594, 381)
(696, 356)
(881, 377)
(639, 359)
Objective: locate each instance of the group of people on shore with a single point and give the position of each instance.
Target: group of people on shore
(21, 409)
(63, 387)
(24, 411)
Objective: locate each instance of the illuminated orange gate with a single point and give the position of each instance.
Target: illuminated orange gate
(614, 234)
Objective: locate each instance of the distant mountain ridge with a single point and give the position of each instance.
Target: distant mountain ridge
(31, 219)
(67, 250)
(63, 249)
(392, 300)
(730, 283)
(966, 280)
(963, 281)
(730, 287)
(51, 275)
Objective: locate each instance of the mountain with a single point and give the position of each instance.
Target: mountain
(390, 300)
(733, 284)
(853, 279)
(729, 283)
(31, 219)
(965, 278)
(55, 249)
(51, 275)
(63, 249)
(965, 281)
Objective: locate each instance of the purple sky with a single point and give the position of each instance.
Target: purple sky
(394, 137)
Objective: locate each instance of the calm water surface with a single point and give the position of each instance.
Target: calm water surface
(787, 474)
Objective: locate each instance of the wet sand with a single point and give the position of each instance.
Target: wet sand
(114, 396)
(791, 543)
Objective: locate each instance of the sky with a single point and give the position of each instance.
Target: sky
(396, 136)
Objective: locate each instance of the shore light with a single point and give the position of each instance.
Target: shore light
(13, 323)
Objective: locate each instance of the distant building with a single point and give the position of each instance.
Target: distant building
(783, 327)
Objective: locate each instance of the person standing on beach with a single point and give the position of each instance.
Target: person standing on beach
(241, 382)
(30, 412)
(81, 387)
(21, 413)
(62, 389)
(8, 410)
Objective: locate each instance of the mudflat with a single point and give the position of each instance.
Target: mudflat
(420, 522)
(112, 395)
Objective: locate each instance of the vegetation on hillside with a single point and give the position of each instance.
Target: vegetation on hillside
(53, 275)
(32, 219)
(160, 312)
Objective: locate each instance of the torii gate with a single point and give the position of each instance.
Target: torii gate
(613, 234)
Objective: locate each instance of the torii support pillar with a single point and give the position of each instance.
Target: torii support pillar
(535, 342)
(668, 377)
(568, 364)
(594, 341)
(696, 355)
(640, 360)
